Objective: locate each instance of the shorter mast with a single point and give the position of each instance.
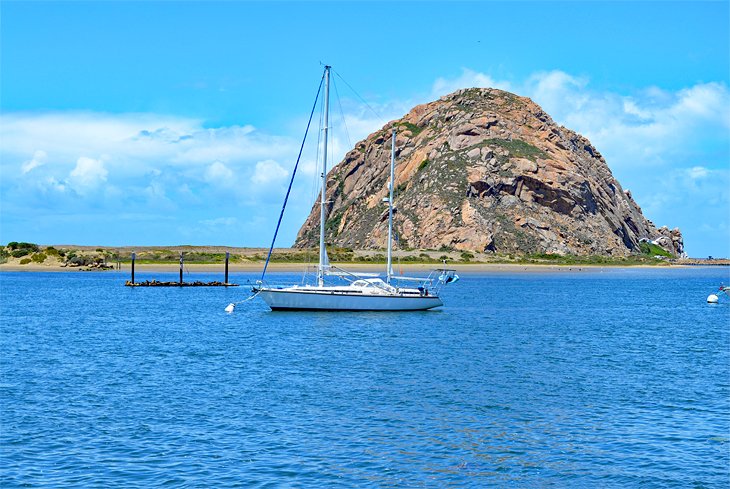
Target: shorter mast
(389, 271)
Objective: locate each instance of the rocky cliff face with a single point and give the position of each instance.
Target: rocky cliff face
(483, 170)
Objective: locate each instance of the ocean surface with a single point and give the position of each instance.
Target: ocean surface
(584, 378)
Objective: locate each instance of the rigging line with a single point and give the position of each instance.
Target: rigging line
(362, 99)
(291, 182)
(342, 114)
(247, 299)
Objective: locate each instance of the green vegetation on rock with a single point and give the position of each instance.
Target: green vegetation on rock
(517, 148)
(653, 250)
(556, 259)
(414, 129)
(332, 225)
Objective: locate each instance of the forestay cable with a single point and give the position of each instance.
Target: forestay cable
(360, 97)
(342, 114)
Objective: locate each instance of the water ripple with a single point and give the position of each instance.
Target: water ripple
(106, 386)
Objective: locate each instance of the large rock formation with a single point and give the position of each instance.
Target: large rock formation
(483, 170)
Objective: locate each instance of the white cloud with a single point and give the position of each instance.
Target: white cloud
(219, 174)
(87, 175)
(134, 142)
(630, 108)
(268, 171)
(707, 101)
(697, 172)
(50, 184)
(155, 159)
(220, 222)
(38, 160)
(155, 196)
(686, 188)
(468, 79)
(71, 133)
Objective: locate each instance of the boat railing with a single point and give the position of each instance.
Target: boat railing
(353, 276)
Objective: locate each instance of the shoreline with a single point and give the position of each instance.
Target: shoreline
(356, 267)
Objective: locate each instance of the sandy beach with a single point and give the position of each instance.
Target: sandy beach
(298, 267)
(210, 260)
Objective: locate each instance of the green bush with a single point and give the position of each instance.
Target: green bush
(548, 256)
(20, 252)
(24, 247)
(25, 261)
(79, 261)
(29, 246)
(651, 249)
(39, 257)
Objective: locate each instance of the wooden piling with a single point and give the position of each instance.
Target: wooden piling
(180, 283)
(225, 281)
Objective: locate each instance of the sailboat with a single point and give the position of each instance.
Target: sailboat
(360, 291)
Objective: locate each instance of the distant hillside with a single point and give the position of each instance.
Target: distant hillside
(488, 171)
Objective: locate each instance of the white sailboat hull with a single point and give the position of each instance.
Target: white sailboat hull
(292, 300)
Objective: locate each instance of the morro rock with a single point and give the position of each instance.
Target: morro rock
(483, 170)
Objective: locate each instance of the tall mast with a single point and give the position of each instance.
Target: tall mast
(322, 249)
(389, 271)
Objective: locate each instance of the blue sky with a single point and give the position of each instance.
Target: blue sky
(178, 123)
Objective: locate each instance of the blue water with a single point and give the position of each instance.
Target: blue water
(613, 378)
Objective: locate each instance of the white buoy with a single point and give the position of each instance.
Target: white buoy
(230, 307)
(712, 299)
